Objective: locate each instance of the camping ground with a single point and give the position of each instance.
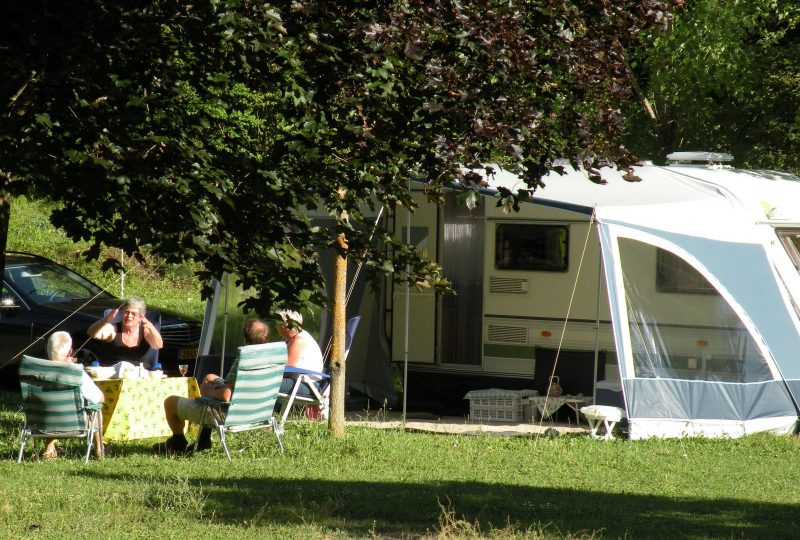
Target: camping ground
(388, 483)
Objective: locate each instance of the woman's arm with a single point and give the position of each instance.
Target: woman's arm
(102, 329)
(151, 335)
(295, 349)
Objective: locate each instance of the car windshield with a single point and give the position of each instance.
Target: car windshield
(49, 283)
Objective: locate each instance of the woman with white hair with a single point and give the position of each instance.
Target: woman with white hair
(301, 346)
(302, 349)
(132, 338)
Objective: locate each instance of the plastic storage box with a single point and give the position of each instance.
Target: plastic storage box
(495, 404)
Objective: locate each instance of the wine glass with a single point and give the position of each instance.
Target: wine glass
(184, 369)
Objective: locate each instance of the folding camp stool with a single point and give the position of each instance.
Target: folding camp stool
(604, 415)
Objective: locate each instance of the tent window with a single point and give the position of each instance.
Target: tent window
(675, 275)
(790, 238)
(531, 247)
(698, 337)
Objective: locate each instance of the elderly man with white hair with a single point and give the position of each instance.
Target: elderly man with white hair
(59, 349)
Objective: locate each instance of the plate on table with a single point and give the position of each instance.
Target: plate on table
(100, 372)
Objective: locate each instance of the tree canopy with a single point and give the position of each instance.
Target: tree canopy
(724, 77)
(205, 130)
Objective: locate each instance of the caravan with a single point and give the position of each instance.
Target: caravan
(675, 297)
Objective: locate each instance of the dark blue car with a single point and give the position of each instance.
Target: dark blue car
(40, 295)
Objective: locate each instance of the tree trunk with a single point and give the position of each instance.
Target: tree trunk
(337, 364)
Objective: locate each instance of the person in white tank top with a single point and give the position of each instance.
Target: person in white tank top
(303, 350)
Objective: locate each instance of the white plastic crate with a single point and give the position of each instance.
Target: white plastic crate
(498, 405)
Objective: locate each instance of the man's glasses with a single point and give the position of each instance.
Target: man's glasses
(132, 314)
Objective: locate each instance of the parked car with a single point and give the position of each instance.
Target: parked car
(40, 295)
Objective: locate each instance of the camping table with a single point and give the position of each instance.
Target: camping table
(575, 403)
(134, 408)
(548, 405)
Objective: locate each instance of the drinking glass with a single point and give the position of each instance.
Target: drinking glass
(184, 369)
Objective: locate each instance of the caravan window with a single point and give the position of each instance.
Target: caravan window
(531, 247)
(673, 274)
(790, 238)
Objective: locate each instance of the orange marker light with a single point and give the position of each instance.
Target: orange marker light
(546, 333)
(702, 343)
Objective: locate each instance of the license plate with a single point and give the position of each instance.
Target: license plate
(188, 354)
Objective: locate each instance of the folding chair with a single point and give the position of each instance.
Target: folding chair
(256, 376)
(316, 383)
(53, 405)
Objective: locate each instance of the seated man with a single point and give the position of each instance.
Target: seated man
(302, 350)
(59, 349)
(179, 409)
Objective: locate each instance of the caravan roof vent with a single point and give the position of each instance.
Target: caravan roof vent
(715, 160)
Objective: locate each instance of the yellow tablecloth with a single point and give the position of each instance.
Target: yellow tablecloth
(134, 408)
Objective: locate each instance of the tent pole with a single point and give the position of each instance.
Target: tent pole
(597, 323)
(224, 326)
(407, 315)
(122, 278)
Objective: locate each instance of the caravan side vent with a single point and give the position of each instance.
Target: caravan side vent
(499, 285)
(508, 334)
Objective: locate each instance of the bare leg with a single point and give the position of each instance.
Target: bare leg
(171, 411)
(99, 449)
(177, 442)
(50, 449)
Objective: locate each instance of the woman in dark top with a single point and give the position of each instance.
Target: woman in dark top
(130, 340)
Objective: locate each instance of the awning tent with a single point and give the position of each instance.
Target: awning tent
(753, 382)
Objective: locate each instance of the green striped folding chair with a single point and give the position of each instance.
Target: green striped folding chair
(256, 375)
(53, 405)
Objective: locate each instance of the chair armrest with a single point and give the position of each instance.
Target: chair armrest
(301, 371)
(92, 406)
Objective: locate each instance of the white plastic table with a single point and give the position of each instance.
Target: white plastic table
(602, 415)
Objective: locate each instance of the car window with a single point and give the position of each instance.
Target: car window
(50, 283)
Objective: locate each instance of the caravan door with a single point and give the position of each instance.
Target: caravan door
(409, 306)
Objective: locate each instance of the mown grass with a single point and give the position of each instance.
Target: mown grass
(171, 287)
(376, 483)
(382, 483)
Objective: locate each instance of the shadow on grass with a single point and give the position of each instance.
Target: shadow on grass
(364, 509)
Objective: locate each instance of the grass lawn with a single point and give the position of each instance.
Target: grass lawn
(377, 483)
